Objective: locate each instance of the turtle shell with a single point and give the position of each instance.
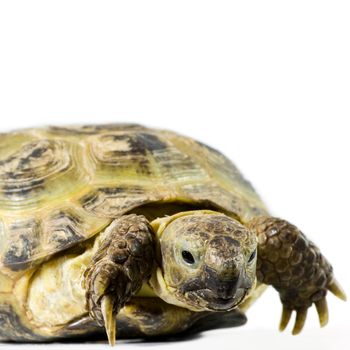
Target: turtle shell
(60, 186)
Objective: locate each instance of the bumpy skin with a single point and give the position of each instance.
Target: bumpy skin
(122, 263)
(221, 247)
(295, 267)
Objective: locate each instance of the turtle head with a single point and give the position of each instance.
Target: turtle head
(208, 261)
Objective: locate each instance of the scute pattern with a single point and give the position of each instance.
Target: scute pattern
(65, 228)
(26, 170)
(109, 148)
(142, 155)
(107, 201)
(24, 238)
(29, 241)
(61, 185)
(38, 171)
(224, 168)
(175, 166)
(222, 175)
(212, 195)
(122, 153)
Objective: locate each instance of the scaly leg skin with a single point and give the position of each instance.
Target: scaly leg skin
(120, 266)
(295, 267)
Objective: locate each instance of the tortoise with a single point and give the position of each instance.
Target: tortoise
(140, 232)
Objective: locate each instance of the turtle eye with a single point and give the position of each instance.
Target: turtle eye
(188, 257)
(252, 256)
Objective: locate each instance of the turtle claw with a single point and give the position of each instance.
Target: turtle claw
(109, 318)
(335, 288)
(286, 314)
(322, 310)
(299, 321)
(301, 307)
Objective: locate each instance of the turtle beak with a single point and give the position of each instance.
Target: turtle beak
(224, 288)
(225, 292)
(109, 318)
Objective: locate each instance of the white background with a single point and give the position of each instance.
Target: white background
(266, 82)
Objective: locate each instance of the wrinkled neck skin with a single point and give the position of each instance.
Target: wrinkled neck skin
(157, 281)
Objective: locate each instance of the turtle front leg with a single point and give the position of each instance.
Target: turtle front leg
(122, 263)
(295, 267)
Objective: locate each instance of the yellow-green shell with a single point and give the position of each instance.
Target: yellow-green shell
(62, 185)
